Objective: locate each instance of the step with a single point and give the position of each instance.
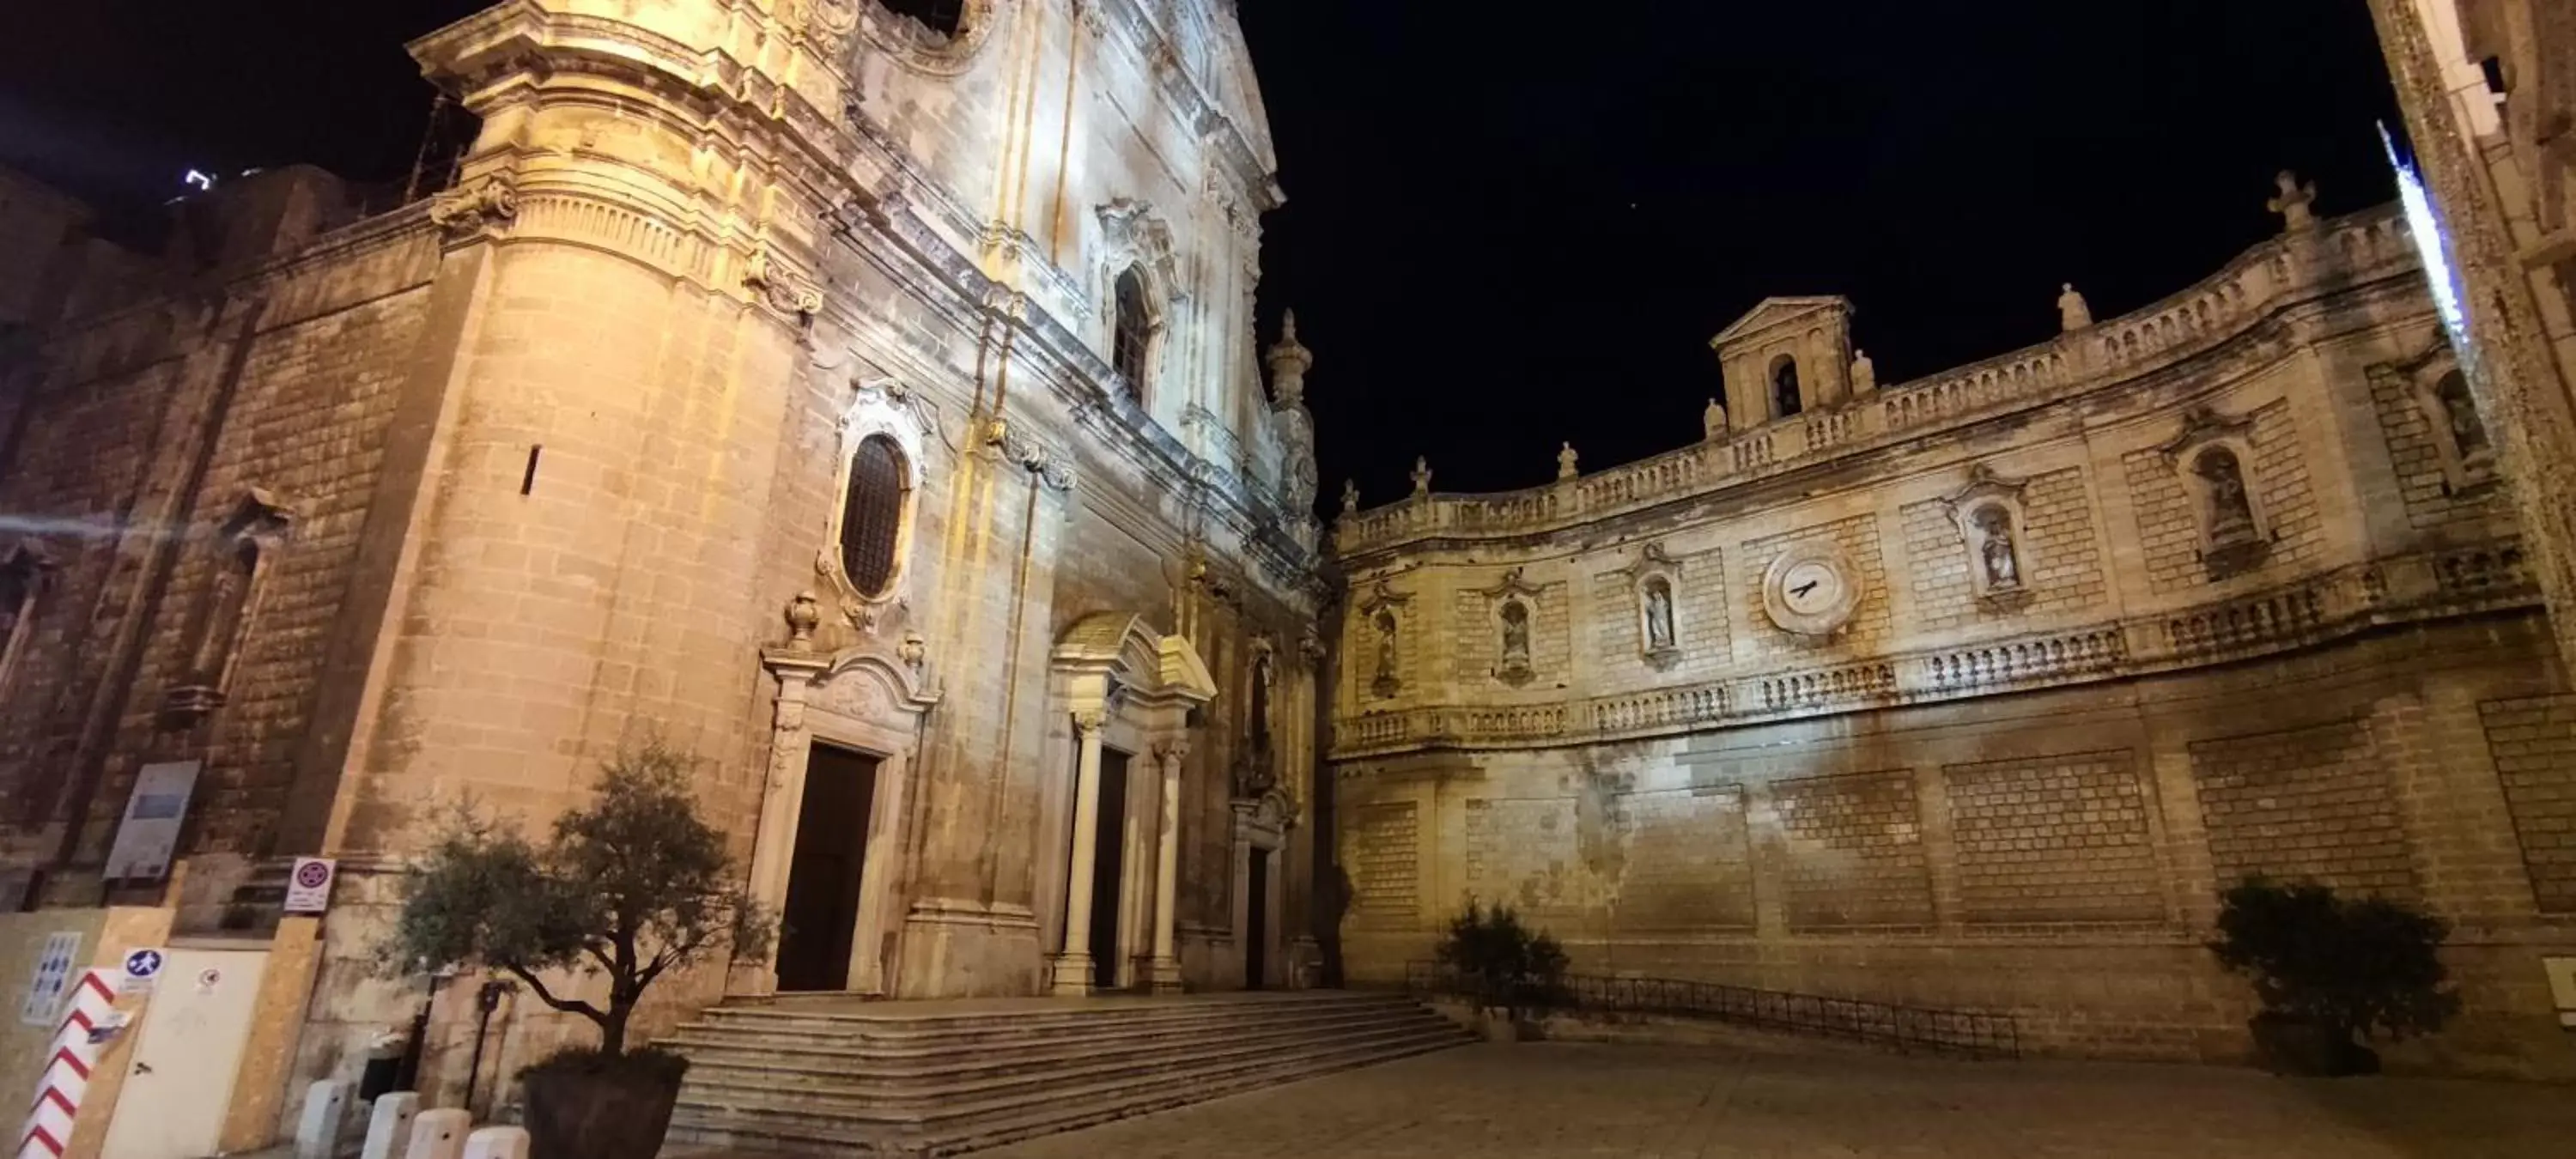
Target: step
(989, 1124)
(893, 1027)
(862, 1050)
(879, 1100)
(802, 1064)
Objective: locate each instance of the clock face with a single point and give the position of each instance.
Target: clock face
(1810, 591)
(1811, 587)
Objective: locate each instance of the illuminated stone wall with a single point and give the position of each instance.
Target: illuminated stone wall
(2011, 779)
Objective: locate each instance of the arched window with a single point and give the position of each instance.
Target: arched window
(945, 17)
(1135, 331)
(872, 515)
(1785, 397)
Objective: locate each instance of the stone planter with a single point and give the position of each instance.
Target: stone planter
(590, 1109)
(2297, 1047)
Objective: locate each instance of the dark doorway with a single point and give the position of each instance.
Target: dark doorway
(821, 915)
(1256, 919)
(1108, 866)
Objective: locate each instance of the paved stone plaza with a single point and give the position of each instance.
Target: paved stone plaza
(1562, 1099)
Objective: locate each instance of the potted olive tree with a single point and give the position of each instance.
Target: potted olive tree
(2331, 971)
(1506, 968)
(631, 886)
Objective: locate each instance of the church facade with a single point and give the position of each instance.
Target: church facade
(861, 397)
(1973, 692)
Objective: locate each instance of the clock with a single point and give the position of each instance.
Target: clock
(1810, 591)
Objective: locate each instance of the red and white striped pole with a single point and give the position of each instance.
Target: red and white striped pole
(66, 1077)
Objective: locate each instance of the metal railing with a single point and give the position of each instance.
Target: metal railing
(1905, 1029)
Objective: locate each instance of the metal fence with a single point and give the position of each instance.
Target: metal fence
(1905, 1029)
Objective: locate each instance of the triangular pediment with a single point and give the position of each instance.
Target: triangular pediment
(1781, 313)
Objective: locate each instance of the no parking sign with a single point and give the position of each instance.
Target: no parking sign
(308, 889)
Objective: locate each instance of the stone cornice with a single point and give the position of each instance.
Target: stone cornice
(2233, 309)
(2332, 606)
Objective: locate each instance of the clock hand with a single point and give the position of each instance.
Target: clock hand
(1804, 588)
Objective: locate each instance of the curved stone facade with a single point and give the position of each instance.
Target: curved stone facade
(1973, 691)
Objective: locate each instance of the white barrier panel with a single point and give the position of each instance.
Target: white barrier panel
(78, 1041)
(326, 1114)
(389, 1125)
(497, 1143)
(439, 1134)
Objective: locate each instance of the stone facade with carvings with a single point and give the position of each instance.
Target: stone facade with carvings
(1972, 692)
(829, 394)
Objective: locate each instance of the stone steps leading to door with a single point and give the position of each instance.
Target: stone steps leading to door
(934, 1079)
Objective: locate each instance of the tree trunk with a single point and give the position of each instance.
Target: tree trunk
(612, 1029)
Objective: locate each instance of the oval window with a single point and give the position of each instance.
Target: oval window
(872, 515)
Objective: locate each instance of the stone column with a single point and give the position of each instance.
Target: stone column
(1166, 974)
(1072, 974)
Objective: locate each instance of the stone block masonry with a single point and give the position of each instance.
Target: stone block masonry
(2312, 803)
(2060, 839)
(1855, 852)
(2533, 741)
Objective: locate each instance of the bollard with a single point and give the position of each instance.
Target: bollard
(497, 1143)
(389, 1126)
(326, 1115)
(439, 1134)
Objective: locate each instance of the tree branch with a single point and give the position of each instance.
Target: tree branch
(569, 1006)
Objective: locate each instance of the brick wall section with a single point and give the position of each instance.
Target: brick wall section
(2281, 476)
(1944, 593)
(1855, 849)
(307, 425)
(1687, 863)
(2053, 839)
(1385, 844)
(1700, 627)
(1521, 852)
(1857, 539)
(2307, 803)
(2417, 458)
(2534, 744)
(2168, 529)
(2063, 560)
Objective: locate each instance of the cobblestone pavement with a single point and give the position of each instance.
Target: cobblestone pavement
(1566, 1099)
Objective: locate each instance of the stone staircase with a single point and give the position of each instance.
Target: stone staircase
(827, 1077)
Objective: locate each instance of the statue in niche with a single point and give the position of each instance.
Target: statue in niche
(1516, 644)
(1659, 615)
(1565, 462)
(2073, 313)
(2468, 431)
(1713, 421)
(1387, 682)
(1995, 549)
(2231, 511)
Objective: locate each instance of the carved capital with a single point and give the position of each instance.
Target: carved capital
(778, 290)
(1088, 721)
(1172, 752)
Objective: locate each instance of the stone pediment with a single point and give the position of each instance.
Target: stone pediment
(1783, 313)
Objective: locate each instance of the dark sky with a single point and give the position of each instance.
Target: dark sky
(1513, 223)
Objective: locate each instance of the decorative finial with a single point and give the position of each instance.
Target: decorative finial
(1565, 462)
(1350, 496)
(804, 614)
(1864, 373)
(2073, 313)
(1289, 361)
(1713, 421)
(1421, 475)
(2293, 202)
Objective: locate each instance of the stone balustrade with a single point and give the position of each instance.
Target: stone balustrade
(2220, 309)
(2328, 606)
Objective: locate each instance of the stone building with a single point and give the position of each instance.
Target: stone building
(2488, 89)
(860, 395)
(1973, 691)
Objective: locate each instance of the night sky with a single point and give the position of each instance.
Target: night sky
(1509, 224)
